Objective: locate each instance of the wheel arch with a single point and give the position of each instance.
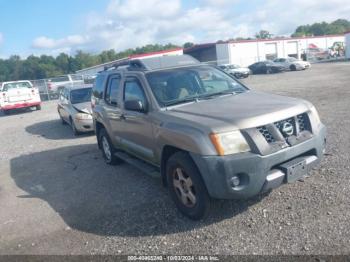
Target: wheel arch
(167, 152)
(98, 127)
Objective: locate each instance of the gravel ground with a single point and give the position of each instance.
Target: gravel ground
(58, 197)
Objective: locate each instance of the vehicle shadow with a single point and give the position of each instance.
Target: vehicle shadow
(18, 111)
(54, 130)
(93, 197)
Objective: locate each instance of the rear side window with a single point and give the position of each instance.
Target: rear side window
(112, 90)
(99, 86)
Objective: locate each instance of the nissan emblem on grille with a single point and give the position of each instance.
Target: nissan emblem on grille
(287, 129)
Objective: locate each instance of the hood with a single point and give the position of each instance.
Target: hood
(83, 107)
(242, 111)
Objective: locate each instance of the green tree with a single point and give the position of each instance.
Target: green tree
(188, 45)
(62, 62)
(263, 34)
(338, 26)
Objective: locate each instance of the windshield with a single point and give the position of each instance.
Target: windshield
(80, 95)
(16, 85)
(185, 84)
(292, 59)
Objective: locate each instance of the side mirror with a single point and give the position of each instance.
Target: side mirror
(135, 105)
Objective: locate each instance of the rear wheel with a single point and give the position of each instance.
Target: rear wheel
(107, 148)
(186, 186)
(6, 112)
(293, 68)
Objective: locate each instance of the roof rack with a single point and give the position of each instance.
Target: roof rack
(155, 63)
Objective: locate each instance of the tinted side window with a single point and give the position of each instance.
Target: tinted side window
(99, 86)
(134, 91)
(112, 90)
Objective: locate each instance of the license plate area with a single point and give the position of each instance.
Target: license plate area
(19, 98)
(295, 169)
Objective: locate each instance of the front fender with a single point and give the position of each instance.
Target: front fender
(184, 137)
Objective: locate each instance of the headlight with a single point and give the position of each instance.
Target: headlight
(81, 116)
(315, 116)
(229, 143)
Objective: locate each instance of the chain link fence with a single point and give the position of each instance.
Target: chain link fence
(50, 88)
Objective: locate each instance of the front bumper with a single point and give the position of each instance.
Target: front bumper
(260, 173)
(84, 125)
(241, 74)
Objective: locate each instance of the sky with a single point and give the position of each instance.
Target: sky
(54, 26)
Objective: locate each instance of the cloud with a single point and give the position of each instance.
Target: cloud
(44, 42)
(282, 17)
(131, 23)
(132, 9)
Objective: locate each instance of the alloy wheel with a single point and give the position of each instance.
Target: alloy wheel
(106, 148)
(184, 188)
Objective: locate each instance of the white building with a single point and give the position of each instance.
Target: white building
(247, 52)
(347, 45)
(91, 71)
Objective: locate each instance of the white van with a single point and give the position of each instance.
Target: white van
(18, 94)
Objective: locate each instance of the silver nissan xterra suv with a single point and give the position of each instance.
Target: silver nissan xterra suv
(203, 132)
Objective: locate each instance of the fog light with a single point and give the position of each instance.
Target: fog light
(235, 181)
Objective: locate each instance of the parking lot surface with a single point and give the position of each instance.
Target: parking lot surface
(57, 196)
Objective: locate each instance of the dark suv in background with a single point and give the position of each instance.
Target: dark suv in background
(203, 132)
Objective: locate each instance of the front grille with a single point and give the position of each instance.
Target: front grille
(303, 122)
(280, 125)
(286, 128)
(266, 133)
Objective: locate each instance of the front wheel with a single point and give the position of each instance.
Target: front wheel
(293, 68)
(186, 186)
(38, 107)
(74, 128)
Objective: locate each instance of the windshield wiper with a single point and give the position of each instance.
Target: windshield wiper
(185, 100)
(212, 95)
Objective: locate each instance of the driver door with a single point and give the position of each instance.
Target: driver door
(137, 134)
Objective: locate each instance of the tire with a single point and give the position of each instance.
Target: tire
(268, 71)
(38, 107)
(186, 186)
(293, 68)
(6, 112)
(74, 129)
(107, 148)
(62, 120)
